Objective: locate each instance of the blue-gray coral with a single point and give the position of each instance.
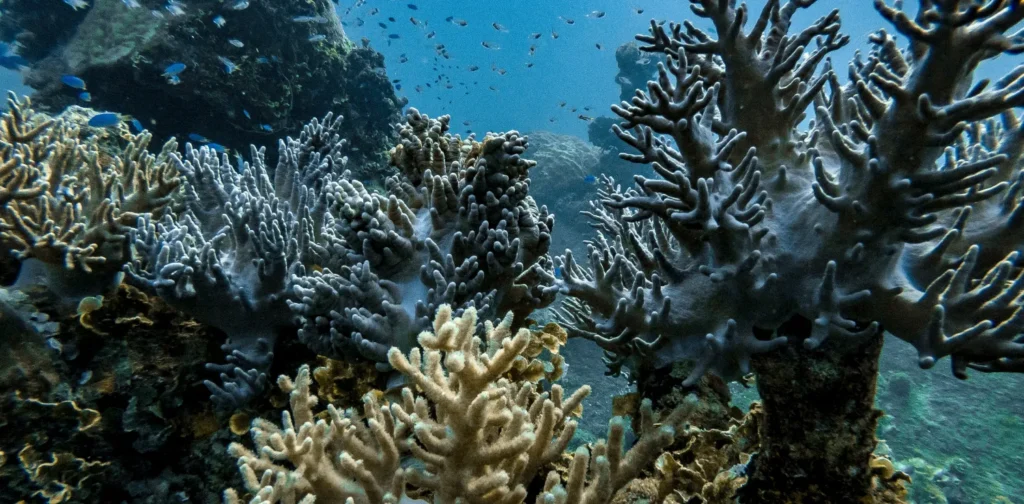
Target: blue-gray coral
(897, 207)
(456, 226)
(259, 251)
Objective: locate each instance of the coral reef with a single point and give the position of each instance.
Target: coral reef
(358, 272)
(277, 81)
(897, 207)
(68, 197)
(478, 435)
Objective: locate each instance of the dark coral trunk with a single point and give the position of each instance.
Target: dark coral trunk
(818, 432)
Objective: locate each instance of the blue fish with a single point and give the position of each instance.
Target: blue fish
(137, 126)
(590, 179)
(398, 87)
(13, 62)
(173, 80)
(105, 120)
(266, 127)
(174, 69)
(217, 147)
(85, 96)
(229, 66)
(197, 138)
(262, 60)
(246, 114)
(558, 272)
(73, 81)
(240, 5)
(219, 21)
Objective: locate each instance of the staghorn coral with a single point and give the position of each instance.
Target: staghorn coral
(477, 435)
(456, 226)
(896, 207)
(67, 202)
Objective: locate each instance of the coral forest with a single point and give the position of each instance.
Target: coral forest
(181, 325)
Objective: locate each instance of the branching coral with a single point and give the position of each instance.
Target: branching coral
(66, 203)
(234, 252)
(457, 226)
(358, 272)
(897, 207)
(476, 435)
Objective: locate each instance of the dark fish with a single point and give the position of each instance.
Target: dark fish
(374, 11)
(554, 34)
(391, 19)
(473, 68)
(431, 34)
(382, 25)
(490, 45)
(414, 21)
(598, 46)
(104, 120)
(413, 7)
(195, 137)
(394, 36)
(498, 27)
(596, 14)
(639, 10)
(585, 117)
(535, 36)
(529, 65)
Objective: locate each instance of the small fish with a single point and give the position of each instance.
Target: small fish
(554, 34)
(317, 38)
(382, 25)
(175, 9)
(490, 45)
(535, 36)
(266, 127)
(596, 14)
(413, 7)
(529, 65)
(585, 118)
(567, 20)
(533, 50)
(414, 21)
(240, 5)
(174, 69)
(498, 27)
(197, 138)
(394, 36)
(10, 60)
(639, 10)
(220, 21)
(562, 104)
(309, 19)
(85, 96)
(237, 43)
(73, 81)
(104, 120)
(137, 126)
(403, 59)
(173, 80)
(398, 87)
(391, 19)
(558, 269)
(473, 68)
(86, 376)
(460, 22)
(77, 4)
(598, 46)
(431, 34)
(229, 66)
(246, 114)
(217, 147)
(590, 179)
(131, 4)
(262, 60)
(374, 11)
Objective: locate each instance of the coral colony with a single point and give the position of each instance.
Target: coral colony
(792, 222)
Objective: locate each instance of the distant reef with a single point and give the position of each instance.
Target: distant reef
(285, 73)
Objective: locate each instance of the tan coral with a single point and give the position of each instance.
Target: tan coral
(502, 431)
(66, 203)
